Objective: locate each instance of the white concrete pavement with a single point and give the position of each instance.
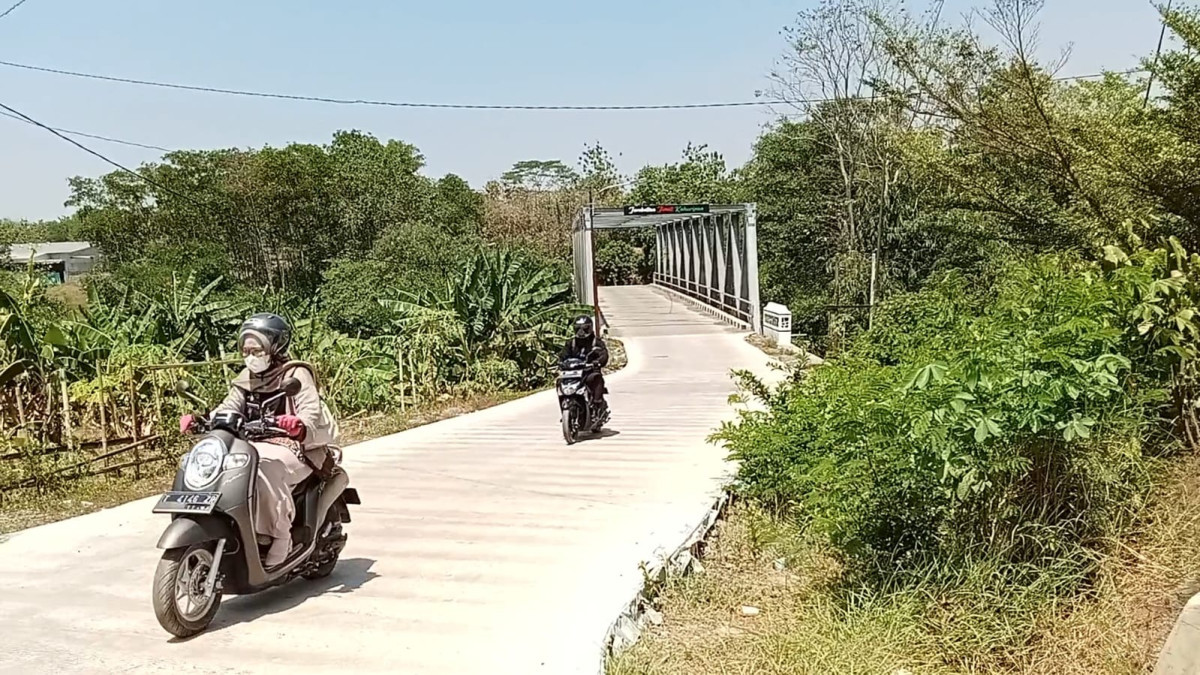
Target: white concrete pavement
(484, 543)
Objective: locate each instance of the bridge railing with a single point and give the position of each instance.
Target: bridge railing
(734, 309)
(713, 259)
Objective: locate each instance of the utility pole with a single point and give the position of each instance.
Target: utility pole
(591, 223)
(1162, 34)
(871, 298)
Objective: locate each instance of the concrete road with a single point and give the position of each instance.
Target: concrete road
(484, 544)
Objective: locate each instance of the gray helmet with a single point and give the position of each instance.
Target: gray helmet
(272, 330)
(585, 328)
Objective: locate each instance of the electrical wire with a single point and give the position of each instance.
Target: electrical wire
(14, 7)
(94, 153)
(84, 134)
(446, 106)
(108, 139)
(392, 104)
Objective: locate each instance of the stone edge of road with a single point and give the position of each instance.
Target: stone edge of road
(1180, 654)
(631, 621)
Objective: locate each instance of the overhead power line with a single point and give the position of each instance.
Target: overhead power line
(26, 118)
(392, 104)
(443, 106)
(11, 9)
(84, 134)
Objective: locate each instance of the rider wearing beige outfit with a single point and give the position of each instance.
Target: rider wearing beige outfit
(286, 461)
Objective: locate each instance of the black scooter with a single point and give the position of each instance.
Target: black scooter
(580, 414)
(210, 544)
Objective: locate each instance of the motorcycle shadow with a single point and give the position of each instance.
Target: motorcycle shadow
(603, 433)
(349, 575)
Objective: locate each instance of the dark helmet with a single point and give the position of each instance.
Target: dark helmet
(271, 329)
(584, 328)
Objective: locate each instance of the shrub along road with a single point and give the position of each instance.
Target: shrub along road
(484, 543)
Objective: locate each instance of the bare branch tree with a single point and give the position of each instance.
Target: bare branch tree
(839, 73)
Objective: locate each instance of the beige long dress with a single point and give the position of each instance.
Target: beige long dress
(280, 467)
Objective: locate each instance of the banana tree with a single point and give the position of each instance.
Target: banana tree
(504, 305)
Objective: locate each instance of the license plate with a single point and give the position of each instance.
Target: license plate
(572, 374)
(187, 502)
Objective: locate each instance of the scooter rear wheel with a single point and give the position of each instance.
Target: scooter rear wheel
(326, 568)
(181, 606)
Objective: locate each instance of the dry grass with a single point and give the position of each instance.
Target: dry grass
(29, 508)
(788, 357)
(70, 294)
(799, 628)
(617, 357)
(804, 626)
(1143, 586)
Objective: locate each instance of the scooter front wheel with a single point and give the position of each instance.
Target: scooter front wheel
(569, 428)
(181, 604)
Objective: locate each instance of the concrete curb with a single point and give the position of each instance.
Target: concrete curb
(1181, 653)
(632, 620)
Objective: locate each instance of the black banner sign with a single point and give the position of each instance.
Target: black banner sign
(665, 209)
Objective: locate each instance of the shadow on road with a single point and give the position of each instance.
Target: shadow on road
(349, 575)
(604, 433)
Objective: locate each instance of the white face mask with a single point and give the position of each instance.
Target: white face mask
(258, 364)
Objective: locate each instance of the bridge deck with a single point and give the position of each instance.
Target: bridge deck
(484, 544)
(650, 311)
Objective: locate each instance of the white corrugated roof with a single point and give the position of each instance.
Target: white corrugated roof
(53, 249)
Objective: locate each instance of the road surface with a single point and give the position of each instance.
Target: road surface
(484, 543)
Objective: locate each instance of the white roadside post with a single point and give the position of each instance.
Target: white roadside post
(777, 323)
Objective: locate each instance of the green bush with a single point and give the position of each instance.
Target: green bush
(410, 258)
(625, 256)
(617, 263)
(1009, 422)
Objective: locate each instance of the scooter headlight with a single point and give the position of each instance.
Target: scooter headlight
(203, 463)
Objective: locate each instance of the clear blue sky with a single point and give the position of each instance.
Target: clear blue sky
(460, 51)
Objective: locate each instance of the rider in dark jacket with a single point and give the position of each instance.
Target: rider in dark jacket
(587, 345)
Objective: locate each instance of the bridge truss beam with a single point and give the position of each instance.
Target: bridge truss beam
(711, 257)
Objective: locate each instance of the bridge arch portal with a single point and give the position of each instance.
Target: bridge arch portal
(708, 253)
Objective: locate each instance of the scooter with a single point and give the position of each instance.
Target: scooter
(210, 547)
(580, 414)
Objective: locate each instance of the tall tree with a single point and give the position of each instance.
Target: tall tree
(539, 174)
(837, 72)
(277, 215)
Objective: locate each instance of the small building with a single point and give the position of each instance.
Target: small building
(61, 261)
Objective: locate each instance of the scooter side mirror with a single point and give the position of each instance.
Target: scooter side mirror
(291, 386)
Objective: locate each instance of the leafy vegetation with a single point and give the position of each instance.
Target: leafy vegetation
(989, 439)
(396, 292)
(1012, 422)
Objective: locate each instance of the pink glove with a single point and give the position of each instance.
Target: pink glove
(292, 425)
(186, 423)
